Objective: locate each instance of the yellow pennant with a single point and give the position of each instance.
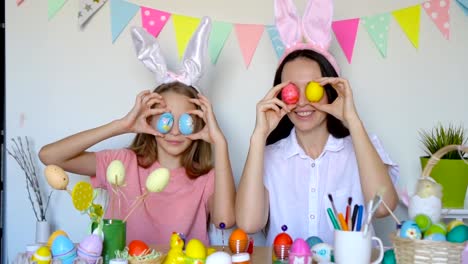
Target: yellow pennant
(184, 27)
(409, 20)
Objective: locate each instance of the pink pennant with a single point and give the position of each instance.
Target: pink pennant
(345, 33)
(438, 11)
(154, 20)
(19, 2)
(248, 36)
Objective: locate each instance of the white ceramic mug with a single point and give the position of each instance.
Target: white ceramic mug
(355, 248)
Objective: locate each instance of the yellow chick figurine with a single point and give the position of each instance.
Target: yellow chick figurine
(427, 200)
(175, 254)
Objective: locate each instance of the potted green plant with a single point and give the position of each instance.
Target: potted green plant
(451, 171)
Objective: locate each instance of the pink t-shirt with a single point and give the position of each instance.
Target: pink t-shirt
(181, 207)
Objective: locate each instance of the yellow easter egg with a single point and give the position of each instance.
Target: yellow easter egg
(116, 173)
(42, 255)
(314, 91)
(56, 177)
(82, 195)
(54, 235)
(158, 180)
(195, 249)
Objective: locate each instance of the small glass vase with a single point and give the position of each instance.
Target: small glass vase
(42, 232)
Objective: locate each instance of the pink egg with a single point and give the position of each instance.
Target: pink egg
(300, 248)
(290, 94)
(91, 245)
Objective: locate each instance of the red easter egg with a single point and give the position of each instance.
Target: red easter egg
(290, 94)
(283, 239)
(137, 248)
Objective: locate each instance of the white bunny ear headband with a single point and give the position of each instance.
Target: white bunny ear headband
(149, 52)
(313, 31)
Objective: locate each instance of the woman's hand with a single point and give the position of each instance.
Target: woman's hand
(343, 107)
(136, 121)
(211, 132)
(270, 110)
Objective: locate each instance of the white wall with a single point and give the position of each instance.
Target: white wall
(63, 80)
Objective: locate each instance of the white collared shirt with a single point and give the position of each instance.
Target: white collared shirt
(298, 185)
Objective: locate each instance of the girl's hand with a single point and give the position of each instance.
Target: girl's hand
(136, 121)
(270, 110)
(343, 107)
(211, 132)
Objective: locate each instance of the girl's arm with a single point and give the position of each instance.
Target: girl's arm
(373, 172)
(70, 153)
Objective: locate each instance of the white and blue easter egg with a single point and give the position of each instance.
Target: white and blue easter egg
(435, 237)
(165, 123)
(410, 230)
(322, 252)
(186, 124)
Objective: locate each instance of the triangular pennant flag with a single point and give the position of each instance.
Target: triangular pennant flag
(184, 27)
(345, 32)
(377, 26)
(153, 20)
(409, 20)
(275, 40)
(438, 11)
(248, 36)
(463, 4)
(19, 2)
(121, 14)
(219, 33)
(54, 6)
(87, 9)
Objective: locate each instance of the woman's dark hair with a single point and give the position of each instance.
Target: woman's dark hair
(334, 126)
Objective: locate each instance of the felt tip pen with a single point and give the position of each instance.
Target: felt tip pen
(359, 218)
(333, 219)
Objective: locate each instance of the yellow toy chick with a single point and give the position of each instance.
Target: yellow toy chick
(175, 254)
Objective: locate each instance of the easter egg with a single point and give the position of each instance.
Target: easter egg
(314, 91)
(195, 249)
(423, 221)
(458, 234)
(290, 94)
(82, 196)
(454, 223)
(410, 230)
(186, 124)
(322, 252)
(219, 258)
(435, 237)
(300, 248)
(54, 235)
(138, 248)
(389, 257)
(91, 245)
(61, 246)
(165, 123)
(238, 241)
(42, 255)
(56, 177)
(438, 228)
(283, 239)
(158, 180)
(313, 240)
(116, 173)
(281, 245)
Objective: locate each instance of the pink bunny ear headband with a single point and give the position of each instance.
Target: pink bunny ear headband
(312, 32)
(149, 52)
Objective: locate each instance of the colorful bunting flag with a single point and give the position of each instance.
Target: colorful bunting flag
(438, 11)
(345, 32)
(154, 20)
(121, 14)
(463, 4)
(377, 26)
(275, 40)
(19, 2)
(54, 6)
(87, 9)
(184, 27)
(219, 33)
(248, 36)
(409, 20)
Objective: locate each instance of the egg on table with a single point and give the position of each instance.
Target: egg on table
(54, 235)
(56, 177)
(218, 258)
(195, 249)
(313, 240)
(300, 252)
(42, 255)
(238, 241)
(322, 252)
(138, 248)
(282, 244)
(158, 180)
(115, 173)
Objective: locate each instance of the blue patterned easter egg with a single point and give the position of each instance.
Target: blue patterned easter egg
(410, 230)
(186, 124)
(165, 123)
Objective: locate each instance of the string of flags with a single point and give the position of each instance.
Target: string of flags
(249, 35)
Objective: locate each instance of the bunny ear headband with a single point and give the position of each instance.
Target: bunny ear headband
(313, 31)
(149, 52)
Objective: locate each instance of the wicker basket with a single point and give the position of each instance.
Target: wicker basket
(408, 251)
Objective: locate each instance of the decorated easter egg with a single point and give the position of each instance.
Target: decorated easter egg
(54, 235)
(158, 180)
(61, 246)
(437, 228)
(435, 237)
(410, 230)
(186, 124)
(42, 255)
(195, 249)
(165, 123)
(423, 221)
(300, 248)
(458, 234)
(91, 245)
(219, 258)
(56, 177)
(138, 248)
(313, 240)
(290, 94)
(238, 241)
(454, 223)
(116, 173)
(322, 252)
(282, 244)
(314, 91)
(82, 195)
(389, 257)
